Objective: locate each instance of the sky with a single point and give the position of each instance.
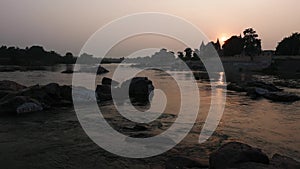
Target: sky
(65, 25)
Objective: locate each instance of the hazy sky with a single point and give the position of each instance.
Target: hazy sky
(65, 25)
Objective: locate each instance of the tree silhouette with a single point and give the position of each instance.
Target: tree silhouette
(233, 46)
(289, 45)
(180, 55)
(188, 53)
(252, 44)
(33, 56)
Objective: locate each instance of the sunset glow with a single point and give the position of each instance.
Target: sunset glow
(223, 39)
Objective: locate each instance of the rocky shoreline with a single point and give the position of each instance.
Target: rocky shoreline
(59, 130)
(235, 155)
(259, 89)
(18, 99)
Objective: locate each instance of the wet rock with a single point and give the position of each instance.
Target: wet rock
(10, 86)
(281, 97)
(19, 105)
(234, 153)
(29, 107)
(263, 85)
(66, 92)
(235, 87)
(68, 72)
(185, 162)
(103, 92)
(101, 70)
(288, 83)
(277, 162)
(4, 93)
(139, 88)
(256, 92)
(52, 89)
(108, 81)
(284, 162)
(38, 93)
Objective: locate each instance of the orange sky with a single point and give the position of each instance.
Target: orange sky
(65, 25)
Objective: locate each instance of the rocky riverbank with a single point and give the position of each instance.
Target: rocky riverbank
(51, 136)
(259, 89)
(18, 99)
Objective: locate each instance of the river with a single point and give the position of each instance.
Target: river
(273, 127)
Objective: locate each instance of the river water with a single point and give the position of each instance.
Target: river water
(273, 127)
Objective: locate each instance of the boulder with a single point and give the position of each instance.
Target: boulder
(284, 162)
(4, 93)
(66, 92)
(256, 92)
(52, 89)
(108, 81)
(29, 107)
(103, 92)
(38, 93)
(10, 86)
(281, 97)
(277, 162)
(68, 72)
(185, 162)
(140, 88)
(101, 70)
(235, 153)
(19, 105)
(235, 87)
(263, 85)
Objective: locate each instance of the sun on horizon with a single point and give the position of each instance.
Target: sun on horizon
(223, 39)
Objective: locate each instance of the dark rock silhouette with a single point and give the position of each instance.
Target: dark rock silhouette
(34, 98)
(11, 86)
(257, 89)
(19, 105)
(280, 161)
(68, 72)
(234, 153)
(104, 92)
(139, 89)
(108, 81)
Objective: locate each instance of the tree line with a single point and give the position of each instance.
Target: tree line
(38, 56)
(35, 55)
(248, 44)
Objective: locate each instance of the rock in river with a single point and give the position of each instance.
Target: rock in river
(20, 105)
(234, 153)
(139, 88)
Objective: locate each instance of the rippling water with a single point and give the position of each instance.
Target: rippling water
(274, 127)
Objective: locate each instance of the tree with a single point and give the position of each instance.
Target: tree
(180, 55)
(289, 45)
(252, 44)
(233, 46)
(217, 45)
(188, 53)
